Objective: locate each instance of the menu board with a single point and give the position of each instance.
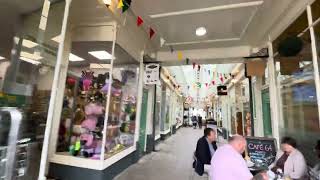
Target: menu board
(262, 151)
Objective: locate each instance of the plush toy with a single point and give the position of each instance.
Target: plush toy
(87, 78)
(126, 74)
(90, 139)
(90, 123)
(93, 109)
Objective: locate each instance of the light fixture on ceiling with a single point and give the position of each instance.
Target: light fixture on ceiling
(102, 55)
(75, 58)
(201, 31)
(107, 2)
(30, 60)
(56, 39)
(30, 56)
(29, 44)
(2, 58)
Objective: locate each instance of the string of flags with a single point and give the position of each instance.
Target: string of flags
(124, 5)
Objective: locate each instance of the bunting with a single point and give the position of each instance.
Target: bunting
(126, 5)
(120, 4)
(180, 55)
(139, 21)
(151, 33)
(162, 41)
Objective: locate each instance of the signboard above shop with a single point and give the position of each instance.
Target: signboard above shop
(222, 90)
(152, 74)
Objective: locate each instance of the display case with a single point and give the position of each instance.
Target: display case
(97, 103)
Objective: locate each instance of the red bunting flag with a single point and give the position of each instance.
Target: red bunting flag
(213, 82)
(206, 84)
(139, 21)
(151, 33)
(221, 78)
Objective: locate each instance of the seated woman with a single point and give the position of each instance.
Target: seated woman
(290, 160)
(316, 168)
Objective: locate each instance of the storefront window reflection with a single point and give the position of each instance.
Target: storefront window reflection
(297, 87)
(158, 111)
(28, 57)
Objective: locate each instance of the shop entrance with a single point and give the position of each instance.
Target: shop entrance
(143, 123)
(266, 113)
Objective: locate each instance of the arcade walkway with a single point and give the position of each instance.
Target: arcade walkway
(173, 161)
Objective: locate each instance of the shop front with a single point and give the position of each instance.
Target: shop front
(96, 123)
(297, 76)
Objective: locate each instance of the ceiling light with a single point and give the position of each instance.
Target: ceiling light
(201, 31)
(30, 56)
(56, 39)
(2, 58)
(30, 60)
(29, 44)
(102, 55)
(107, 2)
(73, 57)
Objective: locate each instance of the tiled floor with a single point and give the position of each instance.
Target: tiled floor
(172, 162)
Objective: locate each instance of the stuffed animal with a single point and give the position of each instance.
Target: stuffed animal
(90, 123)
(93, 109)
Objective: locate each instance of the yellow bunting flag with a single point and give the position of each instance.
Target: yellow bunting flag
(180, 55)
(120, 4)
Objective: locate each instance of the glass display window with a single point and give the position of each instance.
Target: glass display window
(122, 109)
(28, 60)
(298, 97)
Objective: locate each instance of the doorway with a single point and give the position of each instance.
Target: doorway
(143, 123)
(266, 113)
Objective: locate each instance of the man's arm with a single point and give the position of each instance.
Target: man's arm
(201, 151)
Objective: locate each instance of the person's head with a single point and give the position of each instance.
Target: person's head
(288, 144)
(238, 142)
(317, 148)
(210, 134)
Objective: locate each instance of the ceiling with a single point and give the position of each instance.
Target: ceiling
(81, 49)
(228, 22)
(87, 12)
(186, 77)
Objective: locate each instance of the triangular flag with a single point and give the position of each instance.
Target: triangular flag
(120, 4)
(162, 41)
(206, 84)
(180, 55)
(139, 21)
(126, 5)
(194, 65)
(213, 82)
(221, 78)
(151, 33)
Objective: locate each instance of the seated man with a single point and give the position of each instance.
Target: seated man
(230, 165)
(206, 147)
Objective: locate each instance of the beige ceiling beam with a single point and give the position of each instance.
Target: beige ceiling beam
(203, 41)
(206, 54)
(208, 9)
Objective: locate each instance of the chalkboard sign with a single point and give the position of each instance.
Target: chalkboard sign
(262, 151)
